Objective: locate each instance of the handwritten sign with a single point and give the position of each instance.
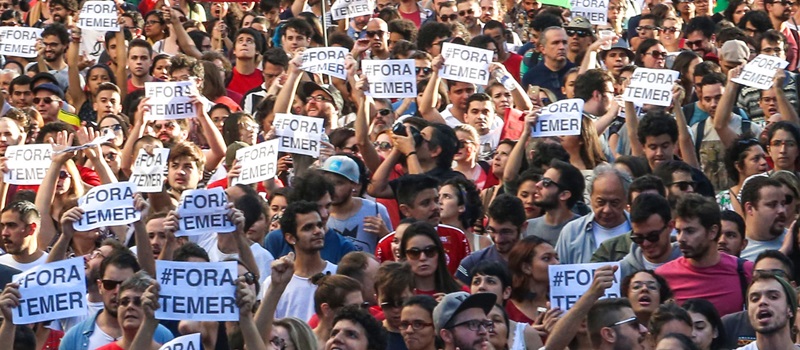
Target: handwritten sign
(148, 170)
(197, 291)
(107, 205)
(203, 211)
(259, 162)
(99, 15)
(759, 72)
(561, 118)
(343, 9)
(19, 41)
(390, 78)
(298, 134)
(186, 342)
(27, 164)
(170, 100)
(51, 291)
(325, 60)
(569, 282)
(596, 11)
(651, 86)
(466, 64)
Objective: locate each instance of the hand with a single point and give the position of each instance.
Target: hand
(171, 222)
(326, 149)
(677, 95)
(86, 134)
(234, 172)
(69, 218)
(404, 144)
(282, 269)
(297, 61)
(277, 84)
(236, 217)
(3, 166)
(142, 109)
(360, 46)
(546, 321)
(9, 299)
(85, 62)
(361, 83)
(284, 163)
(437, 63)
(200, 111)
(531, 118)
(76, 33)
(150, 300)
(734, 73)
(350, 65)
(603, 279)
(139, 203)
(778, 79)
(62, 141)
(216, 32)
(375, 226)
(245, 298)
(439, 297)
(39, 47)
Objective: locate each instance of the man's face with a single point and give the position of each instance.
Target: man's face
(347, 334)
(488, 10)
(632, 334)
(393, 39)
(342, 188)
(698, 43)
(17, 235)
(496, 34)
(783, 149)
(579, 39)
(107, 102)
(768, 102)
(377, 33)
(653, 228)
(436, 46)
(380, 4)
(555, 47)
(769, 214)
(360, 22)
(616, 59)
(10, 134)
(772, 48)
(111, 49)
(547, 197)
(310, 235)
(731, 241)
(180, 74)
(608, 201)
(381, 117)
(47, 104)
(324, 207)
(681, 183)
(183, 174)
(319, 105)
(459, 93)
(59, 13)
(168, 131)
(479, 115)
(648, 29)
(447, 14)
(157, 234)
(425, 208)
(271, 72)
(22, 96)
(467, 13)
(694, 240)
(245, 46)
(658, 149)
(504, 235)
(139, 61)
(53, 49)
(779, 10)
(767, 306)
(463, 337)
(113, 277)
(130, 314)
(292, 40)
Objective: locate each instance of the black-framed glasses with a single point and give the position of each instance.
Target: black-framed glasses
(114, 128)
(643, 28)
(415, 253)
(378, 33)
(650, 285)
(464, 13)
(383, 145)
(415, 325)
(683, 185)
(110, 284)
(111, 156)
(136, 301)
(450, 17)
(691, 44)
(671, 29)
(625, 321)
(652, 237)
(278, 342)
(547, 182)
(318, 98)
(581, 33)
(475, 325)
(64, 175)
(424, 70)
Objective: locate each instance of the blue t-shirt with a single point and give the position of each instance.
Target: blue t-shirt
(335, 248)
(352, 228)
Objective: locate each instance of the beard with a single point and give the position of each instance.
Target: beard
(477, 344)
(549, 202)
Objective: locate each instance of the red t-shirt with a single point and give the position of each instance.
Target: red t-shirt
(432, 293)
(374, 310)
(110, 346)
(515, 315)
(512, 64)
(455, 244)
(241, 83)
(413, 17)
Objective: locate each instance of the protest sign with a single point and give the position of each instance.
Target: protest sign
(651, 86)
(19, 41)
(343, 9)
(92, 43)
(569, 282)
(107, 205)
(561, 118)
(759, 72)
(298, 134)
(259, 162)
(203, 211)
(99, 15)
(27, 164)
(186, 342)
(108, 136)
(51, 291)
(197, 291)
(390, 78)
(170, 100)
(149, 170)
(466, 64)
(596, 11)
(325, 60)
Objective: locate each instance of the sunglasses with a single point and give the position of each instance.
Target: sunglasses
(136, 301)
(651, 237)
(462, 144)
(579, 32)
(643, 28)
(6, 5)
(114, 128)
(657, 54)
(64, 175)
(415, 253)
(391, 304)
(168, 126)
(378, 33)
(384, 111)
(450, 17)
(464, 13)
(684, 185)
(425, 70)
(110, 284)
(670, 29)
(382, 145)
(111, 156)
(546, 182)
(691, 44)
(47, 100)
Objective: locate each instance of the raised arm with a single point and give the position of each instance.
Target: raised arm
(590, 59)
(632, 125)
(724, 113)
(214, 138)
(144, 336)
(379, 186)
(184, 41)
(282, 272)
(785, 108)
(365, 106)
(144, 250)
(427, 103)
(137, 131)
(246, 300)
(76, 95)
(517, 156)
(59, 250)
(521, 99)
(242, 243)
(283, 102)
(121, 73)
(9, 299)
(684, 138)
(47, 190)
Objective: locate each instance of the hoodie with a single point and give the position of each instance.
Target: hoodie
(634, 261)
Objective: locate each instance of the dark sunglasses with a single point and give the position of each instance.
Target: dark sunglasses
(115, 128)
(691, 44)
(371, 33)
(110, 284)
(64, 175)
(429, 251)
(111, 156)
(382, 145)
(426, 70)
(136, 301)
(546, 182)
(650, 237)
(384, 111)
(581, 33)
(168, 126)
(446, 18)
(684, 185)
(670, 30)
(391, 304)
(47, 100)
(657, 54)
(464, 13)
(249, 278)
(643, 28)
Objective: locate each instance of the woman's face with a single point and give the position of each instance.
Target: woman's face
(791, 207)
(670, 36)
(153, 28)
(703, 333)
(417, 339)
(112, 158)
(424, 265)
(247, 21)
(347, 334)
(491, 47)
(64, 181)
(692, 64)
(655, 57)
(545, 256)
(468, 151)
(112, 125)
(97, 76)
(571, 142)
(398, 237)
(498, 337)
(448, 200)
(384, 145)
(644, 293)
(525, 193)
(218, 116)
(248, 131)
(739, 13)
(569, 85)
(755, 162)
(161, 69)
(259, 229)
(280, 339)
(350, 146)
(783, 150)
(501, 98)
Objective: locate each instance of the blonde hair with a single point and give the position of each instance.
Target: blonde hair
(591, 152)
(300, 333)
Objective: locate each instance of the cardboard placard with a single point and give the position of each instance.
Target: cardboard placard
(651, 86)
(298, 134)
(149, 171)
(27, 164)
(259, 162)
(203, 211)
(466, 64)
(560, 118)
(19, 41)
(325, 60)
(759, 72)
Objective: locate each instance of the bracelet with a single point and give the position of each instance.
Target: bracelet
(411, 153)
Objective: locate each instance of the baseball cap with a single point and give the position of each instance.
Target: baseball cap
(342, 165)
(309, 87)
(52, 88)
(452, 304)
(46, 76)
(579, 23)
(734, 51)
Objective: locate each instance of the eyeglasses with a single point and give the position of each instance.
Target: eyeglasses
(463, 143)
(384, 111)
(394, 304)
(447, 18)
(278, 342)
(779, 143)
(415, 253)
(95, 254)
(9, 24)
(151, 23)
(670, 29)
(474, 325)
(64, 175)
(318, 98)
(371, 33)
(111, 156)
(683, 185)
(110, 284)
(351, 149)
(114, 128)
(47, 100)
(650, 237)
(691, 44)
(547, 182)
(627, 320)
(502, 232)
(650, 285)
(581, 33)
(415, 325)
(382, 145)
(136, 301)
(657, 54)
(643, 28)
(464, 13)
(425, 70)
(6, 5)
(784, 3)
(167, 125)
(249, 278)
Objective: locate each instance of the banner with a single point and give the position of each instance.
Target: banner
(197, 291)
(27, 164)
(343, 9)
(149, 171)
(298, 134)
(325, 60)
(651, 86)
(596, 11)
(569, 282)
(759, 72)
(390, 78)
(19, 41)
(99, 15)
(186, 342)
(259, 162)
(466, 64)
(203, 211)
(51, 292)
(107, 205)
(170, 100)
(560, 118)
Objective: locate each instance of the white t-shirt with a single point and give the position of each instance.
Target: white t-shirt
(601, 233)
(298, 298)
(9, 261)
(65, 324)
(262, 256)
(99, 338)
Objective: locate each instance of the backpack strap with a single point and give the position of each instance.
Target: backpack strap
(742, 280)
(698, 136)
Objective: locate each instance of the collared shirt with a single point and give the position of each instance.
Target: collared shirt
(577, 241)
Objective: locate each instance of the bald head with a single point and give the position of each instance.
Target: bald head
(378, 35)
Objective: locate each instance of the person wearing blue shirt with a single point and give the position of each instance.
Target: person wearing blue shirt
(549, 73)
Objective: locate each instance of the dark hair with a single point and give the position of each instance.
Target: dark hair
(213, 84)
(373, 330)
(424, 301)
(19, 80)
(258, 38)
(706, 210)
(300, 25)
(706, 67)
(666, 313)
(648, 204)
(429, 31)
(731, 33)
(571, 179)
(592, 80)
(311, 186)
(410, 185)
(736, 154)
(181, 61)
(704, 24)
(771, 36)
(136, 17)
(189, 250)
(493, 268)
(59, 30)
(664, 291)
(645, 45)
(686, 342)
(353, 265)
(121, 259)
(444, 136)
(28, 213)
(521, 254)
(734, 217)
(638, 165)
(656, 123)
(404, 27)
(603, 313)
(785, 126)
(332, 290)
(666, 170)
(507, 208)
(759, 19)
(53, 127)
(731, 9)
(777, 255)
(251, 206)
(443, 279)
(682, 63)
(392, 279)
(751, 189)
(288, 220)
(141, 43)
(645, 183)
(545, 20)
(469, 196)
(197, 37)
(276, 57)
(481, 97)
(546, 152)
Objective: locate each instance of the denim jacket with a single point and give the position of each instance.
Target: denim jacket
(77, 338)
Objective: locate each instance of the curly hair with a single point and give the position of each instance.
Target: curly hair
(373, 330)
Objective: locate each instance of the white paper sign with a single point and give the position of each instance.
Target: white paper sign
(325, 60)
(51, 291)
(99, 15)
(596, 11)
(298, 134)
(203, 211)
(651, 86)
(466, 64)
(108, 136)
(759, 72)
(19, 41)
(170, 100)
(560, 118)
(149, 170)
(107, 205)
(197, 291)
(186, 342)
(343, 9)
(390, 78)
(259, 162)
(92, 43)
(569, 282)
(27, 164)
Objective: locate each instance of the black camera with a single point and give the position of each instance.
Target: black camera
(400, 129)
